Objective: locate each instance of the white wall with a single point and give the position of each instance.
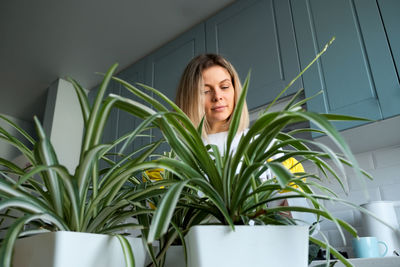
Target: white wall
(63, 122)
(378, 153)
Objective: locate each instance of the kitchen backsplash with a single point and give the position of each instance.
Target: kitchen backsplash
(384, 165)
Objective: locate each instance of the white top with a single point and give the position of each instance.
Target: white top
(219, 139)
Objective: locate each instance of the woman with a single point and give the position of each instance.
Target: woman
(210, 87)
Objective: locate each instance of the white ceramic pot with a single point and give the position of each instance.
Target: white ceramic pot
(175, 257)
(67, 249)
(255, 246)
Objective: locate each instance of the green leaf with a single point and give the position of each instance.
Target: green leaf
(324, 124)
(148, 99)
(338, 117)
(11, 167)
(164, 211)
(11, 236)
(283, 175)
(93, 118)
(85, 167)
(142, 126)
(332, 250)
(29, 206)
(301, 73)
(293, 99)
(83, 100)
(19, 129)
(165, 98)
(237, 114)
(200, 127)
(46, 155)
(218, 160)
(5, 136)
(127, 249)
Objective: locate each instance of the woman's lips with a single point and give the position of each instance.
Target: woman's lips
(219, 108)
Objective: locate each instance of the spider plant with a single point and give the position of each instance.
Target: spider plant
(49, 198)
(229, 183)
(185, 215)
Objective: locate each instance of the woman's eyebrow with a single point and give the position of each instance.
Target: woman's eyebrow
(225, 80)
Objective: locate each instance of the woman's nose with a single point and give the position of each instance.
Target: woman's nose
(217, 95)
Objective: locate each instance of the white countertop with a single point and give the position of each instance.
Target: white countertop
(368, 262)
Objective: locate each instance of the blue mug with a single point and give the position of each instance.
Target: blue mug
(368, 247)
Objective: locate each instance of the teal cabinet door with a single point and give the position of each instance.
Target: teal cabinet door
(355, 68)
(121, 122)
(166, 65)
(389, 97)
(110, 132)
(257, 35)
(126, 121)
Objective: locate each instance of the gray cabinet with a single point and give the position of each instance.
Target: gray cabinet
(257, 35)
(390, 10)
(275, 39)
(111, 128)
(126, 121)
(390, 96)
(165, 66)
(161, 70)
(357, 69)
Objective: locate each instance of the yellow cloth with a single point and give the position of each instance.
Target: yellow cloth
(294, 167)
(291, 164)
(154, 175)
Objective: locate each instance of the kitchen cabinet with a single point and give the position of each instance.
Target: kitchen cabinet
(257, 35)
(110, 132)
(356, 74)
(121, 122)
(127, 122)
(161, 70)
(111, 128)
(391, 20)
(165, 66)
(390, 96)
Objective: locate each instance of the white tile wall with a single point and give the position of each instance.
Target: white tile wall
(384, 165)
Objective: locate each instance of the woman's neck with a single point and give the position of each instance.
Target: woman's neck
(218, 128)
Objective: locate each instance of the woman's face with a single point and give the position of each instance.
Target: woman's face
(219, 100)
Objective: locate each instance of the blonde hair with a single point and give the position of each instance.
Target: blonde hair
(190, 97)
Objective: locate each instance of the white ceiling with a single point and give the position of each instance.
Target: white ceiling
(42, 40)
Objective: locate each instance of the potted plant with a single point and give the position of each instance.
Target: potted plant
(171, 248)
(53, 204)
(228, 189)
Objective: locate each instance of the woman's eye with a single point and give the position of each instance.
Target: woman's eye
(206, 91)
(224, 87)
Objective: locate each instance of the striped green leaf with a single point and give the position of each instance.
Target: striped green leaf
(127, 249)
